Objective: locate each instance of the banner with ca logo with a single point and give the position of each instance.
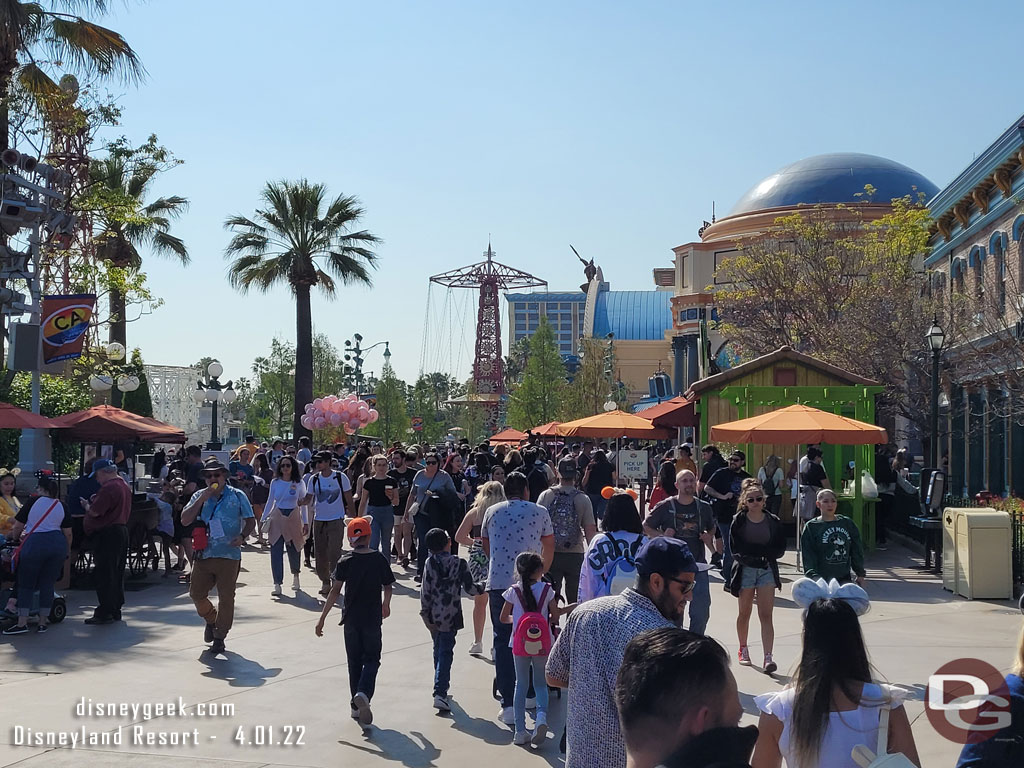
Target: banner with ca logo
(64, 323)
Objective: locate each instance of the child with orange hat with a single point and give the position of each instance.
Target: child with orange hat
(367, 577)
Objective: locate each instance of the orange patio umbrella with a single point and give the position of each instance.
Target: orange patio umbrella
(508, 436)
(798, 424)
(547, 430)
(614, 424)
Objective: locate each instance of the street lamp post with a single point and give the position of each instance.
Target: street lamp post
(935, 337)
(117, 377)
(213, 392)
(354, 354)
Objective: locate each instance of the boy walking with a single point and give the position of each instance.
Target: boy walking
(445, 577)
(366, 575)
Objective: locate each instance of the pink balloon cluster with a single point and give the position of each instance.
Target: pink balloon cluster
(348, 412)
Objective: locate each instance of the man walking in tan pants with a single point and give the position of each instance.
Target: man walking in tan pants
(332, 495)
(225, 516)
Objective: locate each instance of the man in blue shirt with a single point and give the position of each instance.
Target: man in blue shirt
(227, 518)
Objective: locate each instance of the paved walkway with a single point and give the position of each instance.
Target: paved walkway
(284, 682)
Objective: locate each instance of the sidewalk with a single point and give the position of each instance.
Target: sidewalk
(277, 674)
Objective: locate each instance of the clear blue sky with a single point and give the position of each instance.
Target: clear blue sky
(609, 125)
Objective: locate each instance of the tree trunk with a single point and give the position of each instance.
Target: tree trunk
(118, 333)
(303, 358)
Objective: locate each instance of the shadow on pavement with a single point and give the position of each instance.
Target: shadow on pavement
(236, 670)
(418, 752)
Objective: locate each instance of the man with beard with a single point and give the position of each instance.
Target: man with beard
(587, 655)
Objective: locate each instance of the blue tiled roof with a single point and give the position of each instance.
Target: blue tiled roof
(834, 178)
(636, 315)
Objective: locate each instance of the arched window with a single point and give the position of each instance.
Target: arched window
(976, 261)
(957, 269)
(997, 245)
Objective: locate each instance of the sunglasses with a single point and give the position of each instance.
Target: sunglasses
(686, 585)
(428, 463)
(755, 498)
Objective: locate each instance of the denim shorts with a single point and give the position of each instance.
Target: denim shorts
(757, 577)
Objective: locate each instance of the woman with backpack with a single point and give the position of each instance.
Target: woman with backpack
(529, 609)
(772, 480)
(833, 705)
(609, 565)
(758, 541)
(598, 475)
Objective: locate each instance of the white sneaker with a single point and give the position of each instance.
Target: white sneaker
(531, 703)
(362, 704)
(441, 704)
(295, 583)
(476, 649)
(507, 716)
(277, 590)
(521, 737)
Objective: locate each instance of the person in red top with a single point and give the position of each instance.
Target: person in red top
(106, 523)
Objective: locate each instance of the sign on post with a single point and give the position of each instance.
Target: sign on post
(631, 466)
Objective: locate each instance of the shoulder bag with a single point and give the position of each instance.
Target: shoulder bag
(414, 508)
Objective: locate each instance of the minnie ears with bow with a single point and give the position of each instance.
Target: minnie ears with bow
(806, 591)
(4, 471)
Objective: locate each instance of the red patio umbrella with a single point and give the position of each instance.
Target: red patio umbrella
(105, 423)
(13, 417)
(677, 412)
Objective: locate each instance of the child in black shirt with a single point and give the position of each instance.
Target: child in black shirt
(366, 574)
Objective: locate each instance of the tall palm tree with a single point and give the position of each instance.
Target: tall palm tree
(300, 240)
(125, 223)
(55, 31)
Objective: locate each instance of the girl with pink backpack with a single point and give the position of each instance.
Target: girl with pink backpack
(530, 610)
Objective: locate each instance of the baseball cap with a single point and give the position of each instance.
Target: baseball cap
(322, 456)
(358, 527)
(666, 556)
(100, 464)
(567, 468)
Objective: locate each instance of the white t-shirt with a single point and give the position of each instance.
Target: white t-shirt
(328, 494)
(304, 455)
(845, 729)
(517, 607)
(777, 479)
(285, 495)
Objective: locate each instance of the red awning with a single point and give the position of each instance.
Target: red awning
(105, 423)
(677, 412)
(13, 417)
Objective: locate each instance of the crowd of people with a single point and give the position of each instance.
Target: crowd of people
(582, 591)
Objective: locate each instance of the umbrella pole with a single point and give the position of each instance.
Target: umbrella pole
(799, 513)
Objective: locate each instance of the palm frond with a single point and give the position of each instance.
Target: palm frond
(38, 85)
(87, 47)
(167, 244)
(348, 269)
(326, 283)
(173, 206)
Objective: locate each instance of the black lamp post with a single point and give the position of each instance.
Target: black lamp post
(935, 337)
(354, 355)
(213, 392)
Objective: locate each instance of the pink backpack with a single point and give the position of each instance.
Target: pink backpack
(532, 635)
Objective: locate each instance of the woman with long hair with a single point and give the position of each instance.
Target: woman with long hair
(498, 474)
(665, 488)
(263, 476)
(610, 562)
(513, 460)
(833, 704)
(771, 477)
(490, 493)
(757, 541)
(284, 522)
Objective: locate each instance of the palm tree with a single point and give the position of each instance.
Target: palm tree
(297, 241)
(62, 36)
(125, 223)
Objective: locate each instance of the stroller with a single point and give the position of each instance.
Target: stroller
(59, 607)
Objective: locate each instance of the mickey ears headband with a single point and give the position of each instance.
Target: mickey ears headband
(608, 491)
(12, 472)
(806, 591)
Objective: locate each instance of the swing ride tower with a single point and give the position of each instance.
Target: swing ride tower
(489, 277)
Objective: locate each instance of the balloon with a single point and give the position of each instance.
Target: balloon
(309, 408)
(349, 430)
(318, 403)
(319, 422)
(334, 419)
(374, 415)
(329, 400)
(354, 423)
(337, 406)
(306, 421)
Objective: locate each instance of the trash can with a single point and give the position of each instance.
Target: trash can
(984, 561)
(949, 562)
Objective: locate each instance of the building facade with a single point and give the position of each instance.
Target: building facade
(977, 248)
(833, 182)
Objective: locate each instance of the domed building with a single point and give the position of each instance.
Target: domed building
(834, 182)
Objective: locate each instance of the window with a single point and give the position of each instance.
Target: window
(684, 270)
(785, 377)
(721, 257)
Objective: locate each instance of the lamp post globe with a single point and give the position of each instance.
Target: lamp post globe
(215, 369)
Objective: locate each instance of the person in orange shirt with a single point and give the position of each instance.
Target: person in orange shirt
(684, 459)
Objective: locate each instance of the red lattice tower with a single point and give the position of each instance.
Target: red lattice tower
(490, 277)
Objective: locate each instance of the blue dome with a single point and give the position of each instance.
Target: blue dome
(834, 178)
